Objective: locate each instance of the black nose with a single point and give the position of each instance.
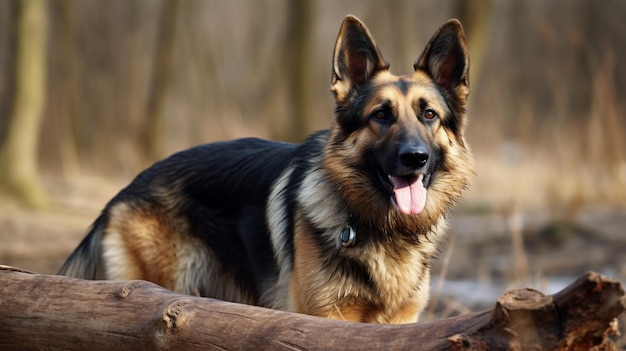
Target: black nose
(414, 157)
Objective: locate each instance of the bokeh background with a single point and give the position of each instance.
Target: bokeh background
(91, 92)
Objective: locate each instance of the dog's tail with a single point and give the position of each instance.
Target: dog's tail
(86, 261)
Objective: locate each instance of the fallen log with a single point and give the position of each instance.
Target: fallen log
(42, 312)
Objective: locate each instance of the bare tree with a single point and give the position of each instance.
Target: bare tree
(300, 52)
(153, 133)
(18, 152)
(476, 17)
(64, 98)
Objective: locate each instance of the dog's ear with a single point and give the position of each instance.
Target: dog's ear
(356, 58)
(446, 59)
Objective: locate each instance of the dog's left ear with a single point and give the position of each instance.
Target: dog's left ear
(446, 59)
(356, 58)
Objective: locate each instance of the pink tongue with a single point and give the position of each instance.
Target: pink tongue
(410, 197)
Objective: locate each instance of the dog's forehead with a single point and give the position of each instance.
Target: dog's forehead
(409, 89)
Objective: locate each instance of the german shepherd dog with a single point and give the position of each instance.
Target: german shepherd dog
(343, 225)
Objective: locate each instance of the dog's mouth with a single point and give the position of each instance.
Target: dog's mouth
(408, 192)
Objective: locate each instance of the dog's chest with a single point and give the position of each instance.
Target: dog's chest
(401, 271)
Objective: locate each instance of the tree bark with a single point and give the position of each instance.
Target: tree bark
(42, 312)
(18, 151)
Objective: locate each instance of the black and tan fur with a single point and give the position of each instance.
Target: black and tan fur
(260, 222)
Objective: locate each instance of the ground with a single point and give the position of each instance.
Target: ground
(40, 240)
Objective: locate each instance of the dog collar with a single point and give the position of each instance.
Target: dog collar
(347, 236)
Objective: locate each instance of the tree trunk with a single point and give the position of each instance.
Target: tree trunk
(153, 133)
(299, 51)
(18, 152)
(476, 19)
(51, 312)
(68, 87)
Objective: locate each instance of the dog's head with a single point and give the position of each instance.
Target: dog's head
(398, 148)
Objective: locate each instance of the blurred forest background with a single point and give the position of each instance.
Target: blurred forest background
(123, 83)
(91, 92)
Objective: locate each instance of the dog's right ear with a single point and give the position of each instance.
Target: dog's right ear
(356, 58)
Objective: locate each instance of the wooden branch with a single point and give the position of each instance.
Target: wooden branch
(41, 312)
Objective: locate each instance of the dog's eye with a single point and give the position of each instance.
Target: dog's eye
(381, 115)
(430, 114)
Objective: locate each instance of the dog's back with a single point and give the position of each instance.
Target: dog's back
(189, 221)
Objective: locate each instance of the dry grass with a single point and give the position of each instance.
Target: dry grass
(569, 166)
